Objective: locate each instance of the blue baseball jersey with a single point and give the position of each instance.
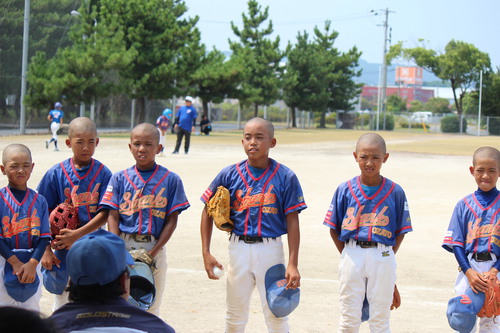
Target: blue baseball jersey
(378, 218)
(186, 117)
(145, 204)
(474, 227)
(56, 115)
(259, 205)
(162, 122)
(84, 189)
(23, 223)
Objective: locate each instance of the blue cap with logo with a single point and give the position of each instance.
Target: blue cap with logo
(97, 258)
(462, 310)
(281, 301)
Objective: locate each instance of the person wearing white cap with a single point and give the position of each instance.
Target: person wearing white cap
(185, 121)
(98, 266)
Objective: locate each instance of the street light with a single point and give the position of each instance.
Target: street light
(82, 104)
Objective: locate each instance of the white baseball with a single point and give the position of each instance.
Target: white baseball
(218, 272)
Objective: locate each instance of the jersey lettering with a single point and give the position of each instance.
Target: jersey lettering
(133, 203)
(476, 231)
(12, 227)
(352, 222)
(84, 198)
(256, 200)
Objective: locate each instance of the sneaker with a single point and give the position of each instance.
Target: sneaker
(56, 149)
(186, 153)
(175, 152)
(46, 145)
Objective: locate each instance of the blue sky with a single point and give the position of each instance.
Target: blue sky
(435, 21)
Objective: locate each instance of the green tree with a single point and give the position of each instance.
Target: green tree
(318, 76)
(216, 78)
(396, 103)
(48, 20)
(437, 105)
(461, 64)
(165, 41)
(261, 56)
(490, 99)
(416, 105)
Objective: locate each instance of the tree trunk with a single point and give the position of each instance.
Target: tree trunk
(256, 110)
(292, 114)
(205, 107)
(141, 107)
(322, 120)
(457, 104)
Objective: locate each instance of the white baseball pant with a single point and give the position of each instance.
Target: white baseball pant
(486, 325)
(248, 264)
(54, 127)
(33, 303)
(159, 275)
(371, 271)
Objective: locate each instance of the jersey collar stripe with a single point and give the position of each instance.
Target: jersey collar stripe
(72, 163)
(150, 225)
(261, 176)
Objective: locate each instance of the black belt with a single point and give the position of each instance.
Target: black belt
(481, 256)
(252, 239)
(366, 244)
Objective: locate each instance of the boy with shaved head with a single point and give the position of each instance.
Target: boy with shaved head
(144, 202)
(473, 234)
(368, 218)
(24, 231)
(80, 181)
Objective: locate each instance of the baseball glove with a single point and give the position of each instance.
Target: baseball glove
(491, 307)
(143, 256)
(64, 216)
(218, 207)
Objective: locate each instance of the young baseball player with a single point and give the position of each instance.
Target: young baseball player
(55, 117)
(163, 123)
(144, 202)
(79, 180)
(266, 199)
(473, 234)
(368, 218)
(24, 232)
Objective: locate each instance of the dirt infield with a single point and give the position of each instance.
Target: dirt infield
(433, 170)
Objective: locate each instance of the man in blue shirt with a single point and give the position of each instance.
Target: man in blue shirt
(185, 121)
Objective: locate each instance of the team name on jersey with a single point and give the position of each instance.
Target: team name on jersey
(12, 227)
(134, 203)
(352, 222)
(83, 199)
(476, 231)
(260, 199)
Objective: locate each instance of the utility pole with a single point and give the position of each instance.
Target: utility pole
(24, 67)
(383, 99)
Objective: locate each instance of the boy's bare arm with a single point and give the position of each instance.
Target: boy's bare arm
(292, 274)
(209, 261)
(166, 233)
(67, 237)
(114, 222)
(335, 237)
(399, 240)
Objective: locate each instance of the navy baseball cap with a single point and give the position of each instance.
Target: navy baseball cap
(462, 310)
(56, 280)
(281, 301)
(21, 292)
(97, 258)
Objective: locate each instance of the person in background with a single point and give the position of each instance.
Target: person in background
(56, 121)
(205, 125)
(185, 121)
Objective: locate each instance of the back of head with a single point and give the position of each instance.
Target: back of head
(14, 319)
(82, 125)
(371, 139)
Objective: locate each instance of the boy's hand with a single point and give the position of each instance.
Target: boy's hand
(49, 259)
(27, 272)
(65, 239)
(210, 262)
(478, 281)
(292, 277)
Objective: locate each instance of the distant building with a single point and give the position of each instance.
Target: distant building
(408, 86)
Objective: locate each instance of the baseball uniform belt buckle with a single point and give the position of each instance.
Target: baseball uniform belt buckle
(482, 256)
(141, 238)
(251, 240)
(366, 244)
